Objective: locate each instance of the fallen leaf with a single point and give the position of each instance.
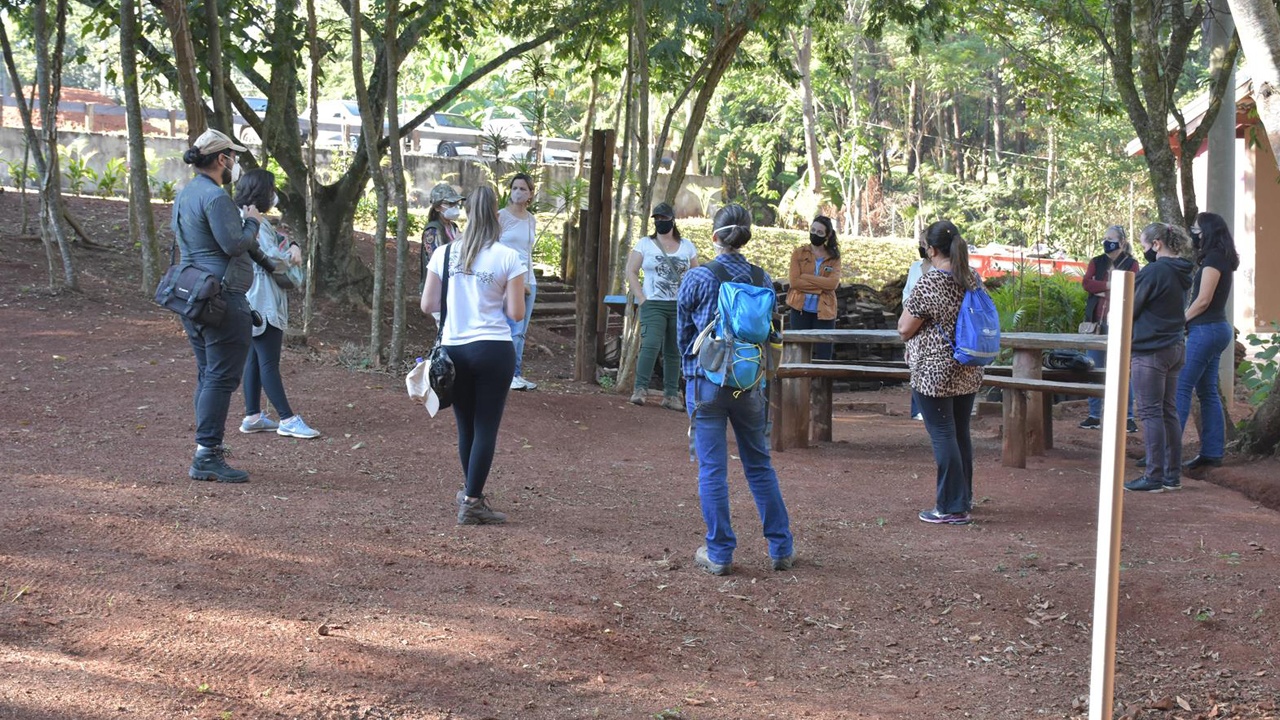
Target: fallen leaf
(1184, 704)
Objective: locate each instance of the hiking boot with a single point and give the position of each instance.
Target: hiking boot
(1131, 426)
(258, 423)
(210, 464)
(637, 397)
(672, 402)
(784, 563)
(701, 559)
(933, 517)
(1091, 423)
(476, 511)
(1144, 484)
(296, 427)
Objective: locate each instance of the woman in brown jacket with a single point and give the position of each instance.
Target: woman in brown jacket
(815, 275)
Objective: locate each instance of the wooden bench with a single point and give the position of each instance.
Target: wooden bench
(802, 396)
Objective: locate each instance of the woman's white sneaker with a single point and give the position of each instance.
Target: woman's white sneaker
(296, 427)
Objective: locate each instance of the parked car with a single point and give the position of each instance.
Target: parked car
(521, 137)
(243, 129)
(449, 134)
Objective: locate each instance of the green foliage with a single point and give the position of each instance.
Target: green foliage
(21, 177)
(1259, 375)
(164, 190)
(112, 177)
(1031, 302)
(75, 167)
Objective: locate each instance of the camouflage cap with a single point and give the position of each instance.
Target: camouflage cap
(444, 192)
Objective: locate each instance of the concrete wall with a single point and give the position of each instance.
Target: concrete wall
(164, 159)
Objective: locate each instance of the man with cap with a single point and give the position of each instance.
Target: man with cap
(442, 224)
(212, 235)
(664, 257)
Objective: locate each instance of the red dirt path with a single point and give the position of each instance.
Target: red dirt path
(336, 585)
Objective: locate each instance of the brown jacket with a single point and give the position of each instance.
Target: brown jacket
(804, 282)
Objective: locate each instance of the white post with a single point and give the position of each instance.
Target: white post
(1102, 679)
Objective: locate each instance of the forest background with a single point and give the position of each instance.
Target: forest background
(1009, 117)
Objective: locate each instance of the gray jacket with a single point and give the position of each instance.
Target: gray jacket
(212, 235)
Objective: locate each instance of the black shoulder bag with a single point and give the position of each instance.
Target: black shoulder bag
(440, 372)
(189, 291)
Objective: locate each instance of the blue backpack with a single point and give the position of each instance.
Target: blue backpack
(977, 340)
(732, 348)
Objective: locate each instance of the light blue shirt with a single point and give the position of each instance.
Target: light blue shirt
(811, 300)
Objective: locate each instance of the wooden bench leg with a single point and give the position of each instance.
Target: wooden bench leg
(1015, 429)
(820, 404)
(1027, 364)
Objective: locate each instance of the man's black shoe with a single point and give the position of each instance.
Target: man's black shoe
(1200, 461)
(1144, 484)
(210, 464)
(1091, 423)
(1131, 426)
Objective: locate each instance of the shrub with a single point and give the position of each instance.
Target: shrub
(1032, 302)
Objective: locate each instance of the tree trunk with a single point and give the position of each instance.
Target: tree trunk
(32, 145)
(49, 82)
(1258, 26)
(722, 57)
(398, 192)
(621, 215)
(312, 182)
(370, 136)
(997, 125)
(1050, 181)
(804, 64)
(217, 68)
(644, 151)
(184, 57)
(139, 187)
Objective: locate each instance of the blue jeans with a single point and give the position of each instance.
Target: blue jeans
(220, 354)
(1205, 344)
(947, 420)
(520, 328)
(1155, 387)
(1099, 358)
(710, 412)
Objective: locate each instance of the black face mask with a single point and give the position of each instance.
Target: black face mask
(1150, 255)
(1110, 246)
(664, 226)
(924, 255)
(817, 239)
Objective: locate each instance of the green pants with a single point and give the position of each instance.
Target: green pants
(658, 334)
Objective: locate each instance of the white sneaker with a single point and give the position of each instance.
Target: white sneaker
(296, 427)
(918, 416)
(517, 383)
(529, 384)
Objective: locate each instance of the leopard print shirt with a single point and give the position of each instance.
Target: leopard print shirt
(936, 298)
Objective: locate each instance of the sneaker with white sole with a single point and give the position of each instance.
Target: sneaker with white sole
(296, 427)
(933, 517)
(529, 384)
(638, 397)
(258, 423)
(702, 560)
(784, 563)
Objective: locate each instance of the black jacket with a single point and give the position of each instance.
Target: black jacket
(1159, 304)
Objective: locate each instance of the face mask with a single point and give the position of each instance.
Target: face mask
(817, 239)
(235, 170)
(227, 176)
(664, 227)
(519, 196)
(924, 254)
(450, 213)
(1196, 239)
(1150, 254)
(275, 201)
(1110, 246)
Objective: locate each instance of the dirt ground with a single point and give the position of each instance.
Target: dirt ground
(336, 584)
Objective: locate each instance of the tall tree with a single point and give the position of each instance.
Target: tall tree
(397, 189)
(1258, 26)
(139, 188)
(184, 59)
(49, 84)
(370, 147)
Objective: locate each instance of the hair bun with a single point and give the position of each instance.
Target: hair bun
(191, 156)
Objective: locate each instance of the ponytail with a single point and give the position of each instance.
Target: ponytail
(944, 237)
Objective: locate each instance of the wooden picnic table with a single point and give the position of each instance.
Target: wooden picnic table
(794, 392)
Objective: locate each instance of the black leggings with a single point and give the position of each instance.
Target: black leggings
(484, 371)
(262, 373)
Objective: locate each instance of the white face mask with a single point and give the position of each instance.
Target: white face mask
(235, 171)
(450, 213)
(519, 196)
(275, 199)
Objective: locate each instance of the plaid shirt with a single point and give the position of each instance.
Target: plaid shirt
(696, 305)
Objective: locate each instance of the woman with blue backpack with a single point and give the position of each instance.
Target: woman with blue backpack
(943, 387)
(730, 301)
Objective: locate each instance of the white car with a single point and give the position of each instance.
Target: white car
(520, 136)
(449, 134)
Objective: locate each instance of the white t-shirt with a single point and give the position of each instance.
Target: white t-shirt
(662, 270)
(519, 235)
(476, 298)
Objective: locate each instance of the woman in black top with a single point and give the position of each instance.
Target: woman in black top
(1208, 334)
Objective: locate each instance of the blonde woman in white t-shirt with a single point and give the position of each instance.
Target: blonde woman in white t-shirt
(486, 289)
(519, 232)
